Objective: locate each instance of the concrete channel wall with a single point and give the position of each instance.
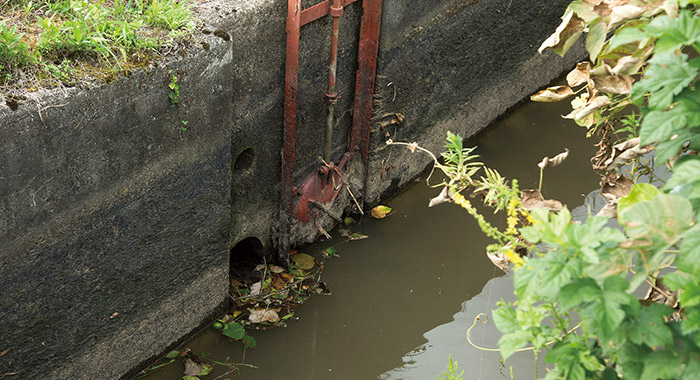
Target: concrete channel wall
(116, 224)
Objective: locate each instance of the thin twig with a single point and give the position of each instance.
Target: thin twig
(347, 185)
(412, 147)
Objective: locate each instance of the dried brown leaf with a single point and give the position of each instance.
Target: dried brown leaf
(565, 35)
(554, 161)
(594, 104)
(263, 315)
(498, 260)
(608, 211)
(532, 199)
(615, 187)
(580, 75)
(623, 13)
(626, 65)
(443, 197)
(613, 84)
(552, 94)
(624, 152)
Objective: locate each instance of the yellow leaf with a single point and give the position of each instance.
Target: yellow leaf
(303, 261)
(380, 212)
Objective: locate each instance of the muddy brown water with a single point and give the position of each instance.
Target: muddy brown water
(404, 298)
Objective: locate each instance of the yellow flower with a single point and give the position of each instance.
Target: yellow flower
(514, 258)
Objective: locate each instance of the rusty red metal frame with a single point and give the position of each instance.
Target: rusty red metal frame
(366, 71)
(319, 10)
(288, 134)
(324, 185)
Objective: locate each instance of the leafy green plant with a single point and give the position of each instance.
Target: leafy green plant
(14, 52)
(451, 372)
(576, 285)
(174, 87)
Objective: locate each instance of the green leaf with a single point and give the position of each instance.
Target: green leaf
(674, 33)
(565, 356)
(206, 369)
(686, 171)
(249, 341)
(234, 330)
(607, 311)
(505, 319)
(639, 192)
(661, 364)
(669, 148)
(172, 354)
(651, 327)
(688, 259)
(578, 292)
(627, 34)
(589, 361)
(513, 341)
(596, 38)
(631, 359)
(662, 220)
(662, 125)
(668, 74)
(560, 271)
(189, 377)
(692, 368)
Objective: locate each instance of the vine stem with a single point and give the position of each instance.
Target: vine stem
(486, 319)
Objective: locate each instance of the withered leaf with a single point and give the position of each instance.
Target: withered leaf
(357, 236)
(580, 75)
(565, 35)
(263, 315)
(626, 65)
(276, 269)
(623, 13)
(613, 84)
(552, 94)
(624, 152)
(589, 108)
(498, 260)
(443, 197)
(554, 161)
(615, 187)
(532, 199)
(608, 211)
(278, 282)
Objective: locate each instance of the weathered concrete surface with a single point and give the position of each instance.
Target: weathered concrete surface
(109, 208)
(115, 226)
(455, 66)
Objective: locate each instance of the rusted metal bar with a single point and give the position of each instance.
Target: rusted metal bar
(336, 10)
(364, 82)
(319, 10)
(288, 136)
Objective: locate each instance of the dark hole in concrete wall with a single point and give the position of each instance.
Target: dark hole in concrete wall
(245, 257)
(244, 161)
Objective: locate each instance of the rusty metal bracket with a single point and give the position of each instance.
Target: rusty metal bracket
(322, 186)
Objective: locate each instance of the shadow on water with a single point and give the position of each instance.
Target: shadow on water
(404, 298)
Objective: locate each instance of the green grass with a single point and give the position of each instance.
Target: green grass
(56, 40)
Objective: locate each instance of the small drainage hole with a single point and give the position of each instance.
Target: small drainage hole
(244, 161)
(245, 257)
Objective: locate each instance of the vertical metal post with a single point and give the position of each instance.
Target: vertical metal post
(336, 10)
(364, 82)
(290, 120)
